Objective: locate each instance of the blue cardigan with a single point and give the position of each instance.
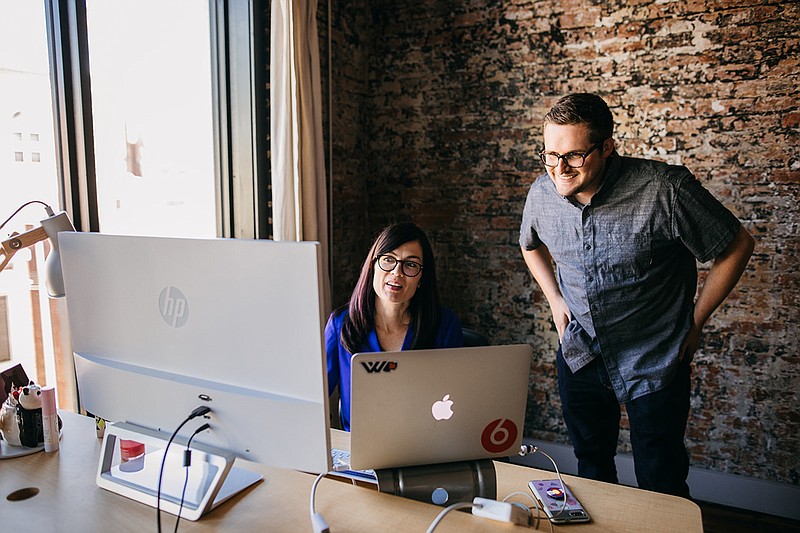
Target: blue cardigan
(448, 336)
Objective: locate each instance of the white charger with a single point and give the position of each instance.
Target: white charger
(500, 511)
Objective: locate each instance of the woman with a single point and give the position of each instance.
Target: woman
(394, 306)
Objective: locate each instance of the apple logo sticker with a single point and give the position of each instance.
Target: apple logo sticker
(442, 409)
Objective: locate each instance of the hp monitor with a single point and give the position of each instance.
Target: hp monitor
(162, 326)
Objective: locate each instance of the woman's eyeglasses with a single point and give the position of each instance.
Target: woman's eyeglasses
(387, 263)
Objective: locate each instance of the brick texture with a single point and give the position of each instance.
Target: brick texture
(436, 118)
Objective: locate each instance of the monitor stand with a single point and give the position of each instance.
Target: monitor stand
(130, 465)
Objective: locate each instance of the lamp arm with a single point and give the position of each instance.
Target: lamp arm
(18, 241)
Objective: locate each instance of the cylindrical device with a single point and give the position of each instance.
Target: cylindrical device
(49, 419)
(441, 484)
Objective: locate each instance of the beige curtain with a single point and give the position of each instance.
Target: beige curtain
(299, 203)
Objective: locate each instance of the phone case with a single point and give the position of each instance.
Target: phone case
(550, 494)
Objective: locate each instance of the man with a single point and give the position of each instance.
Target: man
(624, 234)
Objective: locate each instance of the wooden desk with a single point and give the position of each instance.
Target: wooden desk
(69, 500)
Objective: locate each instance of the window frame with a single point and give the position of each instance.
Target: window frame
(240, 99)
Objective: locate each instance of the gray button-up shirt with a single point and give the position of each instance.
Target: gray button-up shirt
(626, 265)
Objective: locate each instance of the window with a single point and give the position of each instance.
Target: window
(29, 334)
(207, 88)
(152, 113)
(114, 142)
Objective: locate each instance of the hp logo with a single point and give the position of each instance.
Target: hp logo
(173, 307)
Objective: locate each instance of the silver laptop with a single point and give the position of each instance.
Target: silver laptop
(436, 406)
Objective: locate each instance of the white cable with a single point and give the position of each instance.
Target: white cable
(519, 493)
(317, 522)
(530, 508)
(560, 480)
(457, 505)
(513, 513)
(527, 449)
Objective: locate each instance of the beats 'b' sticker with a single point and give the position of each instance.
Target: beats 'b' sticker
(499, 435)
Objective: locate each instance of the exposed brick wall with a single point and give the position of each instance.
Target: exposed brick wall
(437, 118)
(351, 232)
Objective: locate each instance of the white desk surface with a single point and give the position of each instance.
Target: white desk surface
(69, 500)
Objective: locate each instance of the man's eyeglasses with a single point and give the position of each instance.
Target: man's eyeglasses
(572, 159)
(387, 263)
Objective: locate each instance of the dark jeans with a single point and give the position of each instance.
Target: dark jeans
(657, 422)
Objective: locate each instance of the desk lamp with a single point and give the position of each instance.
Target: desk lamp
(53, 278)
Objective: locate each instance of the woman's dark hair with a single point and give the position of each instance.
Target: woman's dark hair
(424, 305)
(583, 108)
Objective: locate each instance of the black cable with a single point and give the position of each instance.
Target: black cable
(199, 411)
(187, 463)
(46, 207)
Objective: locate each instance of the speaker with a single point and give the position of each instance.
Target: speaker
(441, 484)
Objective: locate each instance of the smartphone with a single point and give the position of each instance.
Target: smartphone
(551, 495)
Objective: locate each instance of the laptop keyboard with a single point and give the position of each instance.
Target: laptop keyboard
(341, 460)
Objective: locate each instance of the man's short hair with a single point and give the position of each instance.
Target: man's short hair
(583, 108)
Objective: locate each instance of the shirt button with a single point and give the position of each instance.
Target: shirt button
(588, 246)
(590, 278)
